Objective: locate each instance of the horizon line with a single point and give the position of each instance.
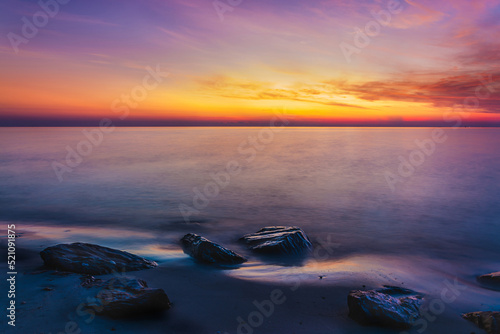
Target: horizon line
(23, 121)
(252, 124)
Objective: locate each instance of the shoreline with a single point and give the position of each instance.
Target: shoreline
(213, 300)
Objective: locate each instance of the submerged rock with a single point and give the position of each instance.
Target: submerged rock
(207, 251)
(491, 280)
(124, 297)
(489, 320)
(390, 306)
(92, 259)
(278, 240)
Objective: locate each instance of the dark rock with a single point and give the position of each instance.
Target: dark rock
(92, 259)
(88, 281)
(490, 280)
(207, 251)
(489, 320)
(391, 306)
(124, 297)
(278, 240)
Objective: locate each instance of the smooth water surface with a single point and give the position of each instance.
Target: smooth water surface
(329, 181)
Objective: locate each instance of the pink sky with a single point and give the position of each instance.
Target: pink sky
(427, 59)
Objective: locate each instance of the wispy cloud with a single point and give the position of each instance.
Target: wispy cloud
(417, 14)
(444, 92)
(251, 90)
(265, 51)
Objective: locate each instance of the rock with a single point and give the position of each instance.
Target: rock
(490, 280)
(489, 321)
(88, 281)
(124, 297)
(391, 306)
(289, 240)
(207, 251)
(92, 259)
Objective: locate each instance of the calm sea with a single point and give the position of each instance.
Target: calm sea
(390, 191)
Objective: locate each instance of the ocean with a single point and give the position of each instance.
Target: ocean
(421, 192)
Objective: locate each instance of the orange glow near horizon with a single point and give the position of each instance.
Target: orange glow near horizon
(196, 68)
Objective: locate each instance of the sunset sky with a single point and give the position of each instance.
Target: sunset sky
(238, 62)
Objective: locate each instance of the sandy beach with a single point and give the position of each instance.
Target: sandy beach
(214, 300)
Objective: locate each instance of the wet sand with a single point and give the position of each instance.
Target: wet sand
(212, 300)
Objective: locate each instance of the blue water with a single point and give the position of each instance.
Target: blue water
(329, 181)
